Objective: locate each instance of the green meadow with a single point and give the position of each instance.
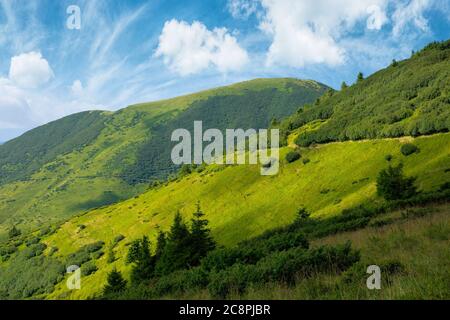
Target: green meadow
(93, 159)
(240, 203)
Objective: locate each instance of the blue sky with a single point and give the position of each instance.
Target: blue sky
(134, 51)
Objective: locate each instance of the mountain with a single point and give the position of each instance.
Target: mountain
(410, 97)
(96, 158)
(335, 179)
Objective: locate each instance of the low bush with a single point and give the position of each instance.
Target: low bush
(292, 156)
(408, 149)
(118, 238)
(85, 254)
(88, 268)
(283, 266)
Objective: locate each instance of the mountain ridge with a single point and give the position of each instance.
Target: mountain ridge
(99, 157)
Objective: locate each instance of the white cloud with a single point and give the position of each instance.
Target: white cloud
(308, 32)
(192, 48)
(242, 9)
(30, 70)
(77, 88)
(377, 18)
(14, 108)
(410, 13)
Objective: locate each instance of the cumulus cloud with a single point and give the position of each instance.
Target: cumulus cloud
(308, 32)
(191, 48)
(30, 70)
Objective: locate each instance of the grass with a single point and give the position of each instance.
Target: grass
(92, 173)
(346, 170)
(419, 245)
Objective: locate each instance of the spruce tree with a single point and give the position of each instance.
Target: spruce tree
(144, 263)
(201, 239)
(360, 77)
(177, 251)
(344, 85)
(115, 283)
(160, 244)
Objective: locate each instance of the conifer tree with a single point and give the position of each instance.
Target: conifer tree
(360, 77)
(177, 251)
(160, 244)
(202, 241)
(144, 263)
(115, 283)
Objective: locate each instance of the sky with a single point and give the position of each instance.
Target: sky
(62, 57)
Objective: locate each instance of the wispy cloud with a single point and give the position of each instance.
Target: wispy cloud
(135, 51)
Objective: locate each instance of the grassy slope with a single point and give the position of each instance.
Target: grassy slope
(62, 177)
(420, 244)
(411, 97)
(340, 175)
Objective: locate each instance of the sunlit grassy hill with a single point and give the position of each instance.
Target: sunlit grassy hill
(98, 180)
(97, 158)
(408, 98)
(240, 203)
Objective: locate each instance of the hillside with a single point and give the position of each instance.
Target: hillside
(343, 140)
(409, 98)
(245, 209)
(97, 158)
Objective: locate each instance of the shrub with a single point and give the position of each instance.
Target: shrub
(85, 254)
(34, 240)
(34, 250)
(392, 185)
(292, 156)
(118, 238)
(388, 157)
(302, 215)
(111, 255)
(88, 268)
(97, 254)
(306, 161)
(283, 266)
(445, 186)
(408, 149)
(14, 232)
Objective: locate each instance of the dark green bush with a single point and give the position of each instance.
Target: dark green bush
(38, 273)
(88, 268)
(445, 186)
(292, 156)
(34, 250)
(14, 232)
(393, 185)
(85, 254)
(118, 238)
(34, 240)
(408, 149)
(283, 266)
